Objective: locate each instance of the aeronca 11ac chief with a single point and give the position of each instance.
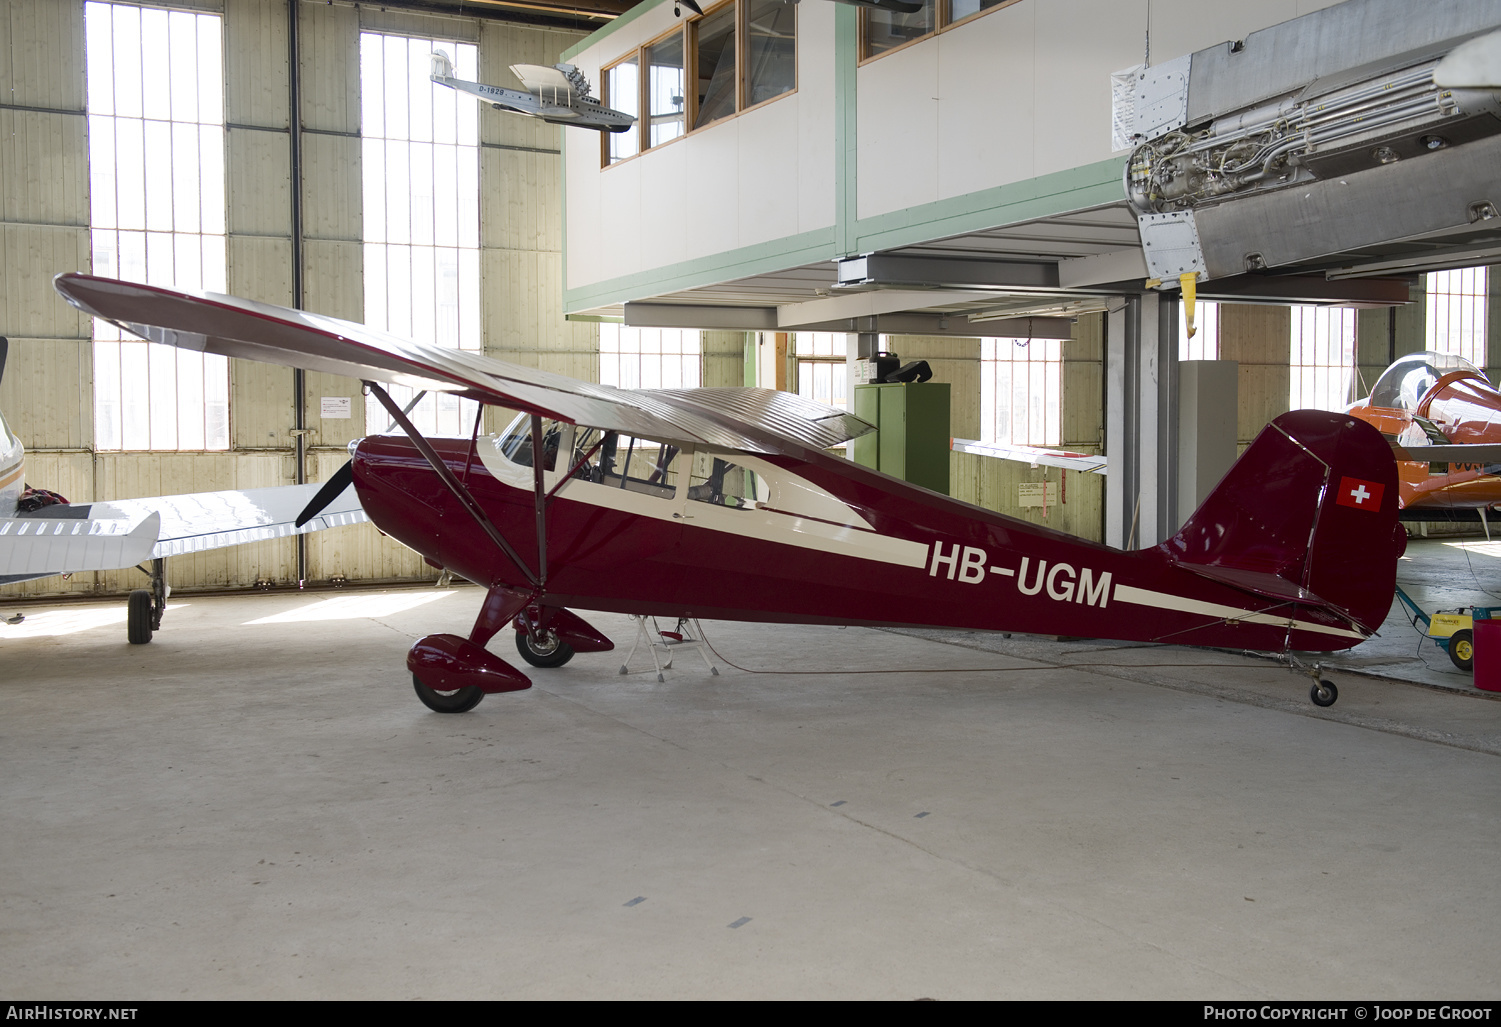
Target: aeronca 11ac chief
(723, 503)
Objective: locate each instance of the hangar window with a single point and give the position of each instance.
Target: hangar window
(1205, 345)
(1323, 358)
(821, 373)
(420, 154)
(156, 198)
(884, 29)
(1457, 313)
(1021, 389)
(649, 358)
(736, 56)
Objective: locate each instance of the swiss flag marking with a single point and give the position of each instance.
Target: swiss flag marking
(1362, 495)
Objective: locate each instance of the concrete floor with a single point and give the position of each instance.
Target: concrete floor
(256, 806)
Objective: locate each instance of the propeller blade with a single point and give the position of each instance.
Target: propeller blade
(692, 6)
(341, 480)
(4, 347)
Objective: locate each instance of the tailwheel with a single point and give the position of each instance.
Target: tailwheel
(1462, 650)
(458, 700)
(544, 649)
(1323, 693)
(138, 624)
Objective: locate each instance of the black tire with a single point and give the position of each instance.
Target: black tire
(460, 700)
(1324, 693)
(138, 617)
(1462, 650)
(546, 650)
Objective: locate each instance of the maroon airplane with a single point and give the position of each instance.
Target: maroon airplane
(723, 503)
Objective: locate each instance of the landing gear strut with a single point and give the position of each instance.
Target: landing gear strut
(146, 605)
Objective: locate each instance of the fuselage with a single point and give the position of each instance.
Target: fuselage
(808, 539)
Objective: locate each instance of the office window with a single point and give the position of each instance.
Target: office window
(1323, 358)
(156, 195)
(883, 29)
(622, 91)
(421, 187)
(1021, 387)
(1205, 345)
(650, 358)
(714, 64)
(770, 49)
(737, 55)
(822, 373)
(1457, 313)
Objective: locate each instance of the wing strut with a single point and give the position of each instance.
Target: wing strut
(457, 487)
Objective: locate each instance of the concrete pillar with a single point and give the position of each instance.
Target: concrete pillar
(1207, 401)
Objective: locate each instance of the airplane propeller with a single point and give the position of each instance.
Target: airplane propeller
(330, 491)
(677, 8)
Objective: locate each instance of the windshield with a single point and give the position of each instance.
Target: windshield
(1404, 383)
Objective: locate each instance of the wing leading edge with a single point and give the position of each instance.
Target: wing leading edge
(745, 420)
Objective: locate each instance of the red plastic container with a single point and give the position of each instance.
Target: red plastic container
(1488, 655)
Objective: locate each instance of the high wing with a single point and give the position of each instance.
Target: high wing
(1034, 456)
(545, 82)
(757, 421)
(69, 538)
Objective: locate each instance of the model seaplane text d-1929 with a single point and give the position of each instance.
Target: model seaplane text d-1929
(723, 503)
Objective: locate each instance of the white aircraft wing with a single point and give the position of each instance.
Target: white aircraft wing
(548, 83)
(71, 537)
(747, 420)
(1034, 456)
(197, 521)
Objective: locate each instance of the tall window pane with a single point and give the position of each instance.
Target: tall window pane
(1021, 387)
(1323, 358)
(666, 90)
(421, 186)
(622, 91)
(770, 49)
(1205, 345)
(714, 58)
(821, 367)
(1457, 313)
(156, 167)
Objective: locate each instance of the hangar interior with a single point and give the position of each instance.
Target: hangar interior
(837, 183)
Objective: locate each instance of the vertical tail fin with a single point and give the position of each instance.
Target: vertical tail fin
(1313, 502)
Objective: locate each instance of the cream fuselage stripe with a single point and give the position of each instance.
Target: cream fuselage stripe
(1164, 601)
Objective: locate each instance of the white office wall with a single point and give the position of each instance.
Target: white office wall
(1018, 94)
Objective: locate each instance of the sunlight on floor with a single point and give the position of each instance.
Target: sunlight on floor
(1482, 548)
(67, 621)
(353, 607)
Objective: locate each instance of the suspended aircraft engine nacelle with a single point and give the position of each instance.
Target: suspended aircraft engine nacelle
(1356, 126)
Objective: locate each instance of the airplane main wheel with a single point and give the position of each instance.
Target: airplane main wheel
(1324, 693)
(138, 619)
(460, 700)
(546, 650)
(1462, 650)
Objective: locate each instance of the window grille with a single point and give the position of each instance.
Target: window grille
(1021, 386)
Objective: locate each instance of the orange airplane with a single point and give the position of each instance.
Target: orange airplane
(1442, 416)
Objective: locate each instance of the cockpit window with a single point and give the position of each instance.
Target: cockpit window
(716, 480)
(624, 461)
(1403, 384)
(516, 443)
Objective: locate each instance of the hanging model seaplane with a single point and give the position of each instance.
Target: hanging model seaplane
(722, 502)
(42, 534)
(557, 94)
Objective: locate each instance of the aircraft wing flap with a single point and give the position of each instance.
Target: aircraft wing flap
(71, 538)
(231, 326)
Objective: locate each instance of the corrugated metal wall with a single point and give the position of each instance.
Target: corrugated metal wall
(47, 393)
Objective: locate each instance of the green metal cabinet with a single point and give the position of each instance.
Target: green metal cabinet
(912, 438)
